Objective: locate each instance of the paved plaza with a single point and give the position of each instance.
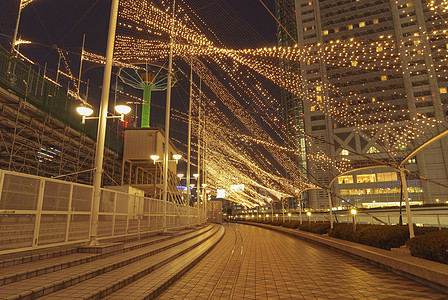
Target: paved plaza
(255, 263)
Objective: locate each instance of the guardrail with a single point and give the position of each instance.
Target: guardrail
(435, 218)
(37, 211)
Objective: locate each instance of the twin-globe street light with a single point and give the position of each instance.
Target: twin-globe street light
(86, 112)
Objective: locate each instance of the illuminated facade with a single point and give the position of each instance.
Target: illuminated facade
(413, 79)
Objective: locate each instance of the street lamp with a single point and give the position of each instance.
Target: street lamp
(85, 111)
(175, 159)
(309, 218)
(354, 212)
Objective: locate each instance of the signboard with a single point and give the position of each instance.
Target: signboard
(220, 193)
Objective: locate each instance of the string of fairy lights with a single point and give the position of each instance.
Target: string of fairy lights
(143, 36)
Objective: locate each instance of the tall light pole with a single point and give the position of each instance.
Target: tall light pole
(102, 123)
(189, 133)
(167, 120)
(16, 29)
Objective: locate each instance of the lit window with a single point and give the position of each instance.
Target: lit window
(410, 4)
(325, 32)
(313, 108)
(362, 24)
(318, 88)
(350, 27)
(442, 90)
(373, 150)
(365, 178)
(388, 176)
(345, 179)
(375, 21)
(412, 161)
(344, 152)
(344, 192)
(373, 100)
(354, 63)
(319, 98)
(416, 42)
(379, 48)
(384, 78)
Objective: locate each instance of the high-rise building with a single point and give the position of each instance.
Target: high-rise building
(380, 76)
(293, 113)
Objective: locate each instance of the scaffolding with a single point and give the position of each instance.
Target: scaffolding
(41, 133)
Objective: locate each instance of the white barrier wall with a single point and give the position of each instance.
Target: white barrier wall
(37, 211)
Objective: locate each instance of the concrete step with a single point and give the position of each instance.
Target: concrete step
(25, 267)
(155, 283)
(158, 266)
(56, 279)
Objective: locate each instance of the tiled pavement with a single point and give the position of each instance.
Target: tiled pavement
(255, 263)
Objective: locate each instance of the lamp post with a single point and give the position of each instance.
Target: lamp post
(16, 29)
(167, 120)
(354, 212)
(102, 123)
(165, 161)
(189, 185)
(204, 200)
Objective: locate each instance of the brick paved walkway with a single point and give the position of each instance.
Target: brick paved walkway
(255, 263)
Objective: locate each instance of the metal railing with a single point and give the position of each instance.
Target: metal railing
(37, 211)
(435, 218)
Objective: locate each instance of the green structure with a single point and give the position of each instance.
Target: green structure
(149, 78)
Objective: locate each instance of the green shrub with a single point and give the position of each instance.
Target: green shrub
(432, 246)
(315, 227)
(292, 224)
(276, 223)
(380, 236)
(343, 231)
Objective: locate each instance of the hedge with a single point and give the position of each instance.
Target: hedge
(380, 236)
(432, 246)
(315, 227)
